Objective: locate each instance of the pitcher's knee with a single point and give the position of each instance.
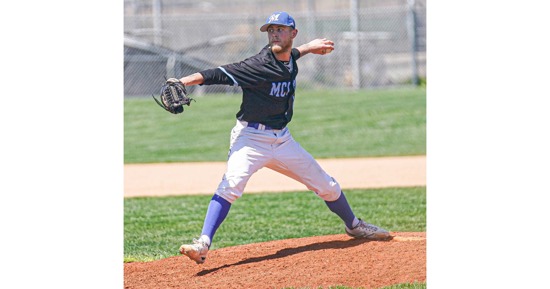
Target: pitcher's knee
(230, 189)
(228, 195)
(330, 191)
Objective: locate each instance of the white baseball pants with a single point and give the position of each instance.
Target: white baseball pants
(250, 149)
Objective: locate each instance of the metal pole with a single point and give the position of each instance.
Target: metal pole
(313, 64)
(354, 25)
(411, 28)
(311, 23)
(157, 22)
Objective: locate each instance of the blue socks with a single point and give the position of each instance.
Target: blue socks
(219, 208)
(341, 208)
(217, 211)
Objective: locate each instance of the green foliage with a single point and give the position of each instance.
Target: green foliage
(326, 123)
(154, 228)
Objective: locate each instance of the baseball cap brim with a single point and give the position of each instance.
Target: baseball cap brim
(264, 27)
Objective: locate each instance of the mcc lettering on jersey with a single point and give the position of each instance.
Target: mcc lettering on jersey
(281, 89)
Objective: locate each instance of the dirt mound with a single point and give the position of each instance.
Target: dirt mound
(306, 262)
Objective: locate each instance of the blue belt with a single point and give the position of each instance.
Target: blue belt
(259, 126)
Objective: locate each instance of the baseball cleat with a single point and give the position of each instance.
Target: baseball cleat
(368, 231)
(196, 251)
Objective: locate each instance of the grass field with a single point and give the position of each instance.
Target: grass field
(154, 228)
(327, 123)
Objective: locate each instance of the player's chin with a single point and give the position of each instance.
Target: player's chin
(276, 48)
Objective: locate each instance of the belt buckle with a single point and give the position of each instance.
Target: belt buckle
(259, 126)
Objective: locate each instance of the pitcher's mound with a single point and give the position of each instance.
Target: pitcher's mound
(305, 262)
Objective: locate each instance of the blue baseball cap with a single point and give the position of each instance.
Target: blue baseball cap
(279, 18)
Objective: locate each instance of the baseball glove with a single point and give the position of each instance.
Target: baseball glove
(173, 96)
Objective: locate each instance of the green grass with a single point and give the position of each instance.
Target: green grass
(407, 286)
(154, 228)
(326, 123)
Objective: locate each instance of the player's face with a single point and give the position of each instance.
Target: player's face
(282, 36)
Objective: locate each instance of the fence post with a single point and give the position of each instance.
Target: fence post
(354, 25)
(311, 23)
(157, 22)
(411, 28)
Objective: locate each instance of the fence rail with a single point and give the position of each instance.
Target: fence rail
(378, 43)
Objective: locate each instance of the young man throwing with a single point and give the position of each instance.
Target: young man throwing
(260, 137)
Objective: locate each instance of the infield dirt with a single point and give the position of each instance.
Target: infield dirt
(203, 178)
(312, 262)
(300, 263)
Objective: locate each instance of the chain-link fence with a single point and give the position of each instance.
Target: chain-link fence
(378, 43)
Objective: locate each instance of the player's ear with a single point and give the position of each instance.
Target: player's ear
(294, 33)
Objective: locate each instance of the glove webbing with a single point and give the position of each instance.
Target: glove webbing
(169, 91)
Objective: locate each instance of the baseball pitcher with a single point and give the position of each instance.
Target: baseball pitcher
(261, 138)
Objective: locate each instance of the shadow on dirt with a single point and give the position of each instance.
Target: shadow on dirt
(292, 251)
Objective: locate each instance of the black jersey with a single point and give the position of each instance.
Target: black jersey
(268, 86)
